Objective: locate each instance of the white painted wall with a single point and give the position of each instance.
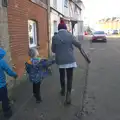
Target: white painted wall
(59, 5)
(68, 11)
(74, 12)
(54, 17)
(66, 8)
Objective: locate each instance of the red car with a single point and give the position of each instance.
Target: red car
(99, 36)
(85, 33)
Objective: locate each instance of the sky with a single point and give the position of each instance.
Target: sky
(97, 9)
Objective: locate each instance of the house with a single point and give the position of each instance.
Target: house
(23, 24)
(76, 10)
(70, 11)
(59, 10)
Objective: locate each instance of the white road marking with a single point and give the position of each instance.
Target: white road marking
(92, 48)
(117, 50)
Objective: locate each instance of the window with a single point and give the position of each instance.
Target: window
(55, 4)
(66, 3)
(55, 26)
(4, 3)
(44, 1)
(32, 32)
(99, 32)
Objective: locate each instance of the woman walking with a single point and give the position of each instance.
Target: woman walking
(62, 46)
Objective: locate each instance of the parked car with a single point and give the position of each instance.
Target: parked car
(85, 33)
(115, 32)
(99, 36)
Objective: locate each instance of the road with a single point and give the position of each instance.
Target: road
(102, 101)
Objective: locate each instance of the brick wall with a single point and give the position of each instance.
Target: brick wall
(19, 12)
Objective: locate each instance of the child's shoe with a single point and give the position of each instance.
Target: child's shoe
(38, 100)
(68, 98)
(8, 114)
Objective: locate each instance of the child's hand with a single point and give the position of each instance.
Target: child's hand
(53, 61)
(16, 77)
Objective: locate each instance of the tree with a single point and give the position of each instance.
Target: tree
(89, 30)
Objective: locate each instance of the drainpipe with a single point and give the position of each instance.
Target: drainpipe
(49, 29)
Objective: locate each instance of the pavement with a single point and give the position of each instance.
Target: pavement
(102, 99)
(52, 107)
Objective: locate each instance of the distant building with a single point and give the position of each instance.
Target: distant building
(109, 24)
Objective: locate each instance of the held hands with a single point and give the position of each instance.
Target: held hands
(15, 77)
(53, 61)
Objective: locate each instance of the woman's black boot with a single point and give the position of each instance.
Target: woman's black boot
(68, 98)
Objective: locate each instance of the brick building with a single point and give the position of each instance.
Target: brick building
(26, 25)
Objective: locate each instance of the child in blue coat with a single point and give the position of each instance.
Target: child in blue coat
(4, 68)
(37, 69)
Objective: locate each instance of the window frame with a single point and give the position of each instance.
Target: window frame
(4, 3)
(55, 5)
(66, 3)
(33, 33)
(55, 26)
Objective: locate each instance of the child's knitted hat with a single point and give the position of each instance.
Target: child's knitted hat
(33, 52)
(62, 25)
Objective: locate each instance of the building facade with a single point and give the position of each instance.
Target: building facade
(109, 24)
(76, 16)
(23, 25)
(72, 13)
(59, 10)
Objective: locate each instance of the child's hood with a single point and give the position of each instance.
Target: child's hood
(2, 53)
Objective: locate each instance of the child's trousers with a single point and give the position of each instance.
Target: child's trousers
(36, 90)
(4, 99)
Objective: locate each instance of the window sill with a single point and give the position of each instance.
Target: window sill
(32, 46)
